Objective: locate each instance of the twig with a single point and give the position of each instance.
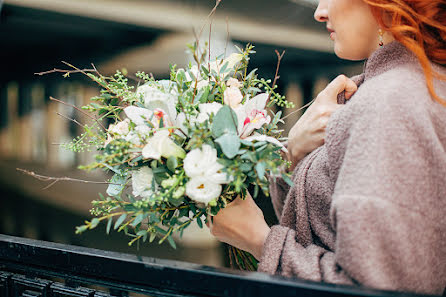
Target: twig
(297, 110)
(227, 35)
(56, 70)
(70, 119)
(276, 76)
(217, 3)
(54, 180)
(80, 110)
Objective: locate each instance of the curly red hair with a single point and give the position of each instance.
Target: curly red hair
(420, 25)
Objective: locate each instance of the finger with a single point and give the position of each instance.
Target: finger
(209, 221)
(339, 84)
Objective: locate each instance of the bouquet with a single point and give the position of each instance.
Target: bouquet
(183, 148)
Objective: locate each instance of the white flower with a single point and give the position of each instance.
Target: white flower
(160, 145)
(259, 137)
(138, 115)
(234, 83)
(206, 109)
(252, 115)
(161, 115)
(210, 108)
(120, 128)
(155, 98)
(202, 189)
(199, 162)
(232, 97)
(142, 182)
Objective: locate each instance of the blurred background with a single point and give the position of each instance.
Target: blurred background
(146, 35)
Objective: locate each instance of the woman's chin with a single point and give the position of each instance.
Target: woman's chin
(347, 53)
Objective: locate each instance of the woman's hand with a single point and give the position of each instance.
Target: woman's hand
(242, 225)
(309, 131)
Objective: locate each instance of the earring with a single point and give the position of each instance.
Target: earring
(381, 39)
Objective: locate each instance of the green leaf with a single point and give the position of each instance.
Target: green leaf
(172, 163)
(120, 220)
(205, 70)
(171, 242)
(225, 121)
(200, 223)
(287, 179)
(184, 212)
(260, 168)
(81, 229)
(117, 184)
(141, 233)
(94, 223)
(109, 224)
(202, 95)
(152, 237)
(159, 230)
(139, 218)
(224, 68)
(230, 144)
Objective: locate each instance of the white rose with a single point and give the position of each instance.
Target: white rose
(201, 189)
(232, 97)
(198, 162)
(142, 182)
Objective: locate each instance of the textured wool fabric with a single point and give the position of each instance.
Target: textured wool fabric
(368, 207)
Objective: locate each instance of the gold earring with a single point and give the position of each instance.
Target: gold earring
(381, 39)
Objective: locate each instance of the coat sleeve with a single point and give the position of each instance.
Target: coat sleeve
(278, 189)
(386, 209)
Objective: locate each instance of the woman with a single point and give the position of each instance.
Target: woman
(369, 195)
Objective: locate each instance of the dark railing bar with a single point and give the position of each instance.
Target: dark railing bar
(143, 274)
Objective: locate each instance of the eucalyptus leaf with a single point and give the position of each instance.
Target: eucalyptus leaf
(117, 184)
(120, 220)
(109, 224)
(230, 144)
(260, 168)
(172, 163)
(287, 179)
(139, 218)
(225, 121)
(171, 242)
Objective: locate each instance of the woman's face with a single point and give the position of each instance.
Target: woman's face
(355, 30)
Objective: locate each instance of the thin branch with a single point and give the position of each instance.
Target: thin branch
(227, 35)
(80, 110)
(56, 70)
(69, 119)
(54, 180)
(217, 3)
(276, 76)
(297, 110)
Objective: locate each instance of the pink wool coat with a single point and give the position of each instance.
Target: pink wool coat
(368, 207)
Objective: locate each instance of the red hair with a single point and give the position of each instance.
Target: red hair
(420, 25)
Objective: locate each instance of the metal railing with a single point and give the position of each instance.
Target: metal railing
(32, 268)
